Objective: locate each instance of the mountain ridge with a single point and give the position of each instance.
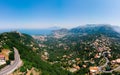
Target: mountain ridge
(86, 44)
(79, 49)
(91, 29)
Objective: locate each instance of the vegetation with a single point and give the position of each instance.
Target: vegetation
(8, 62)
(57, 55)
(81, 43)
(11, 56)
(28, 55)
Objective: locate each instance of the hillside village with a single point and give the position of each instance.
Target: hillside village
(103, 50)
(74, 54)
(97, 49)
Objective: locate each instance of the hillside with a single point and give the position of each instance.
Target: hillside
(67, 51)
(29, 53)
(80, 48)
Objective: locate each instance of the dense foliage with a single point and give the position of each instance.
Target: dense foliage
(80, 43)
(75, 47)
(29, 56)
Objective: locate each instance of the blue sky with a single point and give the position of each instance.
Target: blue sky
(62, 13)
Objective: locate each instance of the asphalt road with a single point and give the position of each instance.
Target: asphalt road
(107, 61)
(11, 68)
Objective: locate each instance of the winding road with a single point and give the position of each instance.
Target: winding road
(12, 67)
(107, 61)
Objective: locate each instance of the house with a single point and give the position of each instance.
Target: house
(77, 59)
(97, 56)
(73, 69)
(2, 59)
(113, 61)
(76, 66)
(93, 70)
(118, 61)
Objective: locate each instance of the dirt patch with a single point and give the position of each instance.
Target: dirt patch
(17, 72)
(5, 52)
(33, 71)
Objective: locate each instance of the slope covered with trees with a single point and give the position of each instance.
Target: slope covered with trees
(29, 53)
(66, 52)
(79, 48)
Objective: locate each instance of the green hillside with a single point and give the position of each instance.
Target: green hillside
(66, 52)
(82, 47)
(29, 53)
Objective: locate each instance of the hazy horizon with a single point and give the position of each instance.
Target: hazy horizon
(55, 27)
(42, 14)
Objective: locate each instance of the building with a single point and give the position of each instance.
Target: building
(118, 61)
(93, 70)
(2, 59)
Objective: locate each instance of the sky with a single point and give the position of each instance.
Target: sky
(35, 14)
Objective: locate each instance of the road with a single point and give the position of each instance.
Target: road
(107, 61)
(12, 67)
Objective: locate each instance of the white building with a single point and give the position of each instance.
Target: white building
(2, 59)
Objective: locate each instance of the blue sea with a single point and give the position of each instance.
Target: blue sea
(36, 31)
(30, 31)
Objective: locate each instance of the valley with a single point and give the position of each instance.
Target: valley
(81, 50)
(85, 50)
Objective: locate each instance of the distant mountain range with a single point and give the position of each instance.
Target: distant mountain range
(89, 28)
(65, 50)
(82, 47)
(92, 29)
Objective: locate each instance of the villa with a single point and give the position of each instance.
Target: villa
(93, 70)
(2, 59)
(118, 61)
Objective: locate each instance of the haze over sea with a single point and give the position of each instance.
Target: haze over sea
(30, 31)
(43, 31)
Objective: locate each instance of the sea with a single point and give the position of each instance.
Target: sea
(29, 31)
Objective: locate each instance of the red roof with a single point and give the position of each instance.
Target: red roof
(2, 56)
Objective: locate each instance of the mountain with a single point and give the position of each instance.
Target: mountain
(80, 48)
(67, 51)
(96, 29)
(108, 30)
(30, 53)
(54, 28)
(117, 28)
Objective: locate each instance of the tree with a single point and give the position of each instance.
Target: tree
(108, 68)
(106, 74)
(22, 69)
(11, 56)
(8, 62)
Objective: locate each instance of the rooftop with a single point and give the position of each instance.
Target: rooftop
(94, 69)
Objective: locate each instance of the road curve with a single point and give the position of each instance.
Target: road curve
(12, 67)
(107, 61)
